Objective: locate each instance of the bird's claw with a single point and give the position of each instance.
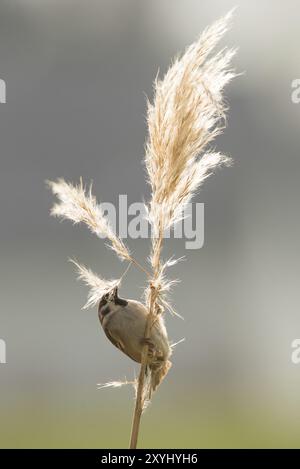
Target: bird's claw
(151, 346)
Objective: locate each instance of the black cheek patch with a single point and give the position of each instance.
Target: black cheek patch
(119, 301)
(105, 311)
(103, 302)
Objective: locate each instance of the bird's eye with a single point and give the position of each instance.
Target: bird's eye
(103, 301)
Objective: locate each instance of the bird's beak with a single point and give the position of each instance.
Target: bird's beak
(115, 293)
(116, 299)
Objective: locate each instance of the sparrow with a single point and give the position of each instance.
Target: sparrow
(124, 322)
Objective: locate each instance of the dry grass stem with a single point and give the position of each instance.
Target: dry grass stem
(186, 115)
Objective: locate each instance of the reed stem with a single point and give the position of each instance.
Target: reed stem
(139, 402)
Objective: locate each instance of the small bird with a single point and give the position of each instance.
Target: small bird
(124, 322)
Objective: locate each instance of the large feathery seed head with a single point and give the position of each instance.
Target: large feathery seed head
(186, 115)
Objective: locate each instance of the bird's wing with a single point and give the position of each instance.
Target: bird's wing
(117, 343)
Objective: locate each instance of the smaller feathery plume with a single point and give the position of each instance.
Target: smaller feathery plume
(98, 286)
(163, 285)
(80, 206)
(116, 384)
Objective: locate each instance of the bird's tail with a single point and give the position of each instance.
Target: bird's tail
(158, 372)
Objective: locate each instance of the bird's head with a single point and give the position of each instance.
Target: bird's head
(109, 301)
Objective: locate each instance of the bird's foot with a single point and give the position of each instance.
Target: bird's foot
(151, 346)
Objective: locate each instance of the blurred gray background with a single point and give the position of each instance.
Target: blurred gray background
(77, 74)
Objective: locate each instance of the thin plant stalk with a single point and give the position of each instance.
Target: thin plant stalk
(139, 402)
(184, 117)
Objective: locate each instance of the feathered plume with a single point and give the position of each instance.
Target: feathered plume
(98, 286)
(80, 206)
(186, 115)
